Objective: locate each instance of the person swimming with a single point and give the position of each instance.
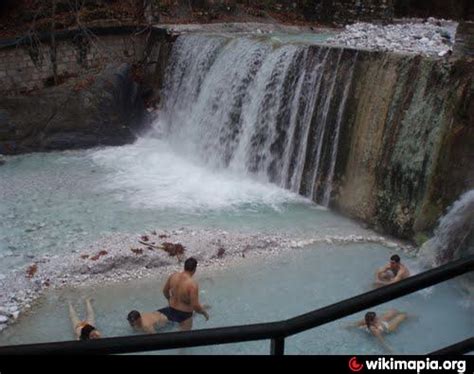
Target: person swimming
(393, 272)
(146, 322)
(379, 326)
(84, 330)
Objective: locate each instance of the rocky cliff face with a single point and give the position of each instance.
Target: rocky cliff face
(465, 40)
(407, 141)
(110, 111)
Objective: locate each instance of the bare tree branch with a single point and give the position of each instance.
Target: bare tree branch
(54, 63)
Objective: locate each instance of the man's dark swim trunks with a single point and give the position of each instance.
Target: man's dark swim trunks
(175, 315)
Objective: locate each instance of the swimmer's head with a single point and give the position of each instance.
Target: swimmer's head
(89, 332)
(134, 318)
(190, 265)
(369, 318)
(395, 262)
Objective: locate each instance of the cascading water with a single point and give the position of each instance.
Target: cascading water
(270, 110)
(454, 235)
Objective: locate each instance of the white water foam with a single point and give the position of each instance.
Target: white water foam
(452, 235)
(150, 174)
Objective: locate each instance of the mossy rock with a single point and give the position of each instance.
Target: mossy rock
(420, 238)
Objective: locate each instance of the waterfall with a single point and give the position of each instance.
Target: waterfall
(273, 111)
(454, 235)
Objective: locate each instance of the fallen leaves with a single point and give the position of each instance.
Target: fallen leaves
(99, 255)
(220, 252)
(173, 249)
(31, 271)
(137, 251)
(83, 83)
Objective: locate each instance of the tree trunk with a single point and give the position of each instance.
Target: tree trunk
(54, 62)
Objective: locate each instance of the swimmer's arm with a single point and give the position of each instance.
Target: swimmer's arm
(359, 323)
(400, 276)
(197, 307)
(167, 288)
(380, 271)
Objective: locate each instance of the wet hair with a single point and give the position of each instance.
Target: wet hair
(395, 258)
(133, 316)
(190, 264)
(369, 318)
(86, 332)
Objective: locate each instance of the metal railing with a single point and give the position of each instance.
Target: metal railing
(275, 331)
(460, 348)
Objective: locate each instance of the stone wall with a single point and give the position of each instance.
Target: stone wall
(25, 64)
(405, 152)
(464, 45)
(347, 11)
(105, 84)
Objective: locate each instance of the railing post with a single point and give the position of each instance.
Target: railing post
(277, 347)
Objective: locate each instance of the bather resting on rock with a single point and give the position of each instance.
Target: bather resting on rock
(393, 272)
(84, 330)
(182, 292)
(378, 326)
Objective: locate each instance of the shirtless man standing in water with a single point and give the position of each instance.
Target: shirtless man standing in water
(182, 292)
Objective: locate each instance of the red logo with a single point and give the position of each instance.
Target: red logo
(354, 365)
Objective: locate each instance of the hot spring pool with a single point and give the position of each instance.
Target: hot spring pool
(264, 289)
(56, 202)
